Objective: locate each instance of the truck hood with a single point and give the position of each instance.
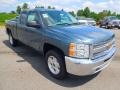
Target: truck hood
(85, 34)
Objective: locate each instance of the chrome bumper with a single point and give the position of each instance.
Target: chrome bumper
(84, 67)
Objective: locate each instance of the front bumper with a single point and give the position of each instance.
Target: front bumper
(83, 67)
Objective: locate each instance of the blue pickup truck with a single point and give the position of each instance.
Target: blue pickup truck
(67, 46)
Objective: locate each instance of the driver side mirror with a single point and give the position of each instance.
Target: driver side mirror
(33, 24)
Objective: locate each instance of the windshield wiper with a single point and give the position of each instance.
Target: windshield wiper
(76, 23)
(63, 24)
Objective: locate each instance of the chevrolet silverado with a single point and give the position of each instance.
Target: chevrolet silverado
(67, 46)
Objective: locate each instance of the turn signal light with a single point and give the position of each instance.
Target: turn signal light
(72, 50)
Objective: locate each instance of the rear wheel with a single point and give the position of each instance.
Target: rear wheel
(56, 64)
(12, 41)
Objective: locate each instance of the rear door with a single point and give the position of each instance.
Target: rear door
(21, 25)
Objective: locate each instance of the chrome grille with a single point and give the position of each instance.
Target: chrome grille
(103, 49)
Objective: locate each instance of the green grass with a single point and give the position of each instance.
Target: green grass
(6, 16)
(2, 23)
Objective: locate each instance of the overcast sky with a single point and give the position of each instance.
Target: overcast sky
(68, 5)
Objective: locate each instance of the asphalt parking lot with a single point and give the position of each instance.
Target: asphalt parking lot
(22, 68)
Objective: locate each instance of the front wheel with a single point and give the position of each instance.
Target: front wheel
(12, 41)
(56, 64)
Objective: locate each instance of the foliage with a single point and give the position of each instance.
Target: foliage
(49, 7)
(72, 13)
(80, 12)
(39, 7)
(2, 24)
(22, 8)
(25, 6)
(86, 12)
(97, 16)
(13, 12)
(18, 9)
(6, 16)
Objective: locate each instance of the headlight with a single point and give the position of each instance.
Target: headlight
(79, 50)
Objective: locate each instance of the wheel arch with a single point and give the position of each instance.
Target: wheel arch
(48, 47)
(8, 31)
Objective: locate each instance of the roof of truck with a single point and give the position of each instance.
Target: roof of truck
(43, 9)
(39, 9)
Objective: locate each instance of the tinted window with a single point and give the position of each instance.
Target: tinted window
(32, 17)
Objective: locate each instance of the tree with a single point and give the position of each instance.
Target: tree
(72, 13)
(80, 13)
(39, 7)
(97, 16)
(62, 9)
(18, 9)
(53, 7)
(86, 12)
(109, 13)
(94, 16)
(114, 14)
(25, 6)
(12, 12)
(49, 7)
(118, 15)
(103, 14)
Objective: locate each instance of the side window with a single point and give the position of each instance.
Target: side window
(32, 17)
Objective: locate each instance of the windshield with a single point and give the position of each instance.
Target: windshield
(53, 18)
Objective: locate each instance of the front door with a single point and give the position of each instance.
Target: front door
(34, 35)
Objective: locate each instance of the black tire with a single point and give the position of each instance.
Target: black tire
(60, 59)
(106, 27)
(12, 41)
(101, 26)
(111, 27)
